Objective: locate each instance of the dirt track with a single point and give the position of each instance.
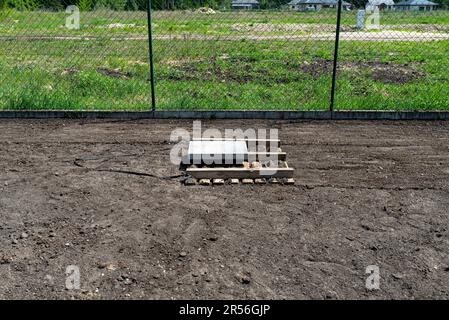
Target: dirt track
(367, 193)
(380, 36)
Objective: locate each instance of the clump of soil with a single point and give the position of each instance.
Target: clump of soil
(240, 69)
(193, 70)
(393, 73)
(69, 71)
(115, 73)
(385, 72)
(317, 68)
(244, 70)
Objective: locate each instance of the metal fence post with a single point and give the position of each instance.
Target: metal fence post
(334, 68)
(150, 44)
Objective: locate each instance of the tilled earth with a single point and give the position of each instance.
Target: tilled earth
(103, 196)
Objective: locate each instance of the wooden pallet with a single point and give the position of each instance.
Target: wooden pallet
(255, 172)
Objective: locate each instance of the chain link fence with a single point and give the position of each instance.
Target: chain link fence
(231, 57)
(86, 56)
(224, 55)
(399, 60)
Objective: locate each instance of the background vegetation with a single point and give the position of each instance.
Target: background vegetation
(86, 5)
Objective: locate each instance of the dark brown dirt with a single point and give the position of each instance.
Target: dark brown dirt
(114, 73)
(317, 68)
(70, 71)
(385, 72)
(394, 73)
(243, 71)
(367, 193)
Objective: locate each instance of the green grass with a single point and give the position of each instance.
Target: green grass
(61, 76)
(92, 23)
(95, 23)
(270, 76)
(194, 75)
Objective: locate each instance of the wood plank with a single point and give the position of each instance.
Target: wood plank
(205, 182)
(236, 139)
(239, 173)
(281, 156)
(190, 182)
(266, 142)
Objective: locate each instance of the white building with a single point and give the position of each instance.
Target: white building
(380, 4)
(245, 4)
(316, 5)
(416, 5)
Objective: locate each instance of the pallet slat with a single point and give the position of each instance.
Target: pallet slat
(236, 139)
(205, 182)
(267, 142)
(254, 155)
(239, 173)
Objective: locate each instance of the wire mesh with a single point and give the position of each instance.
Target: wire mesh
(88, 56)
(397, 58)
(223, 55)
(242, 55)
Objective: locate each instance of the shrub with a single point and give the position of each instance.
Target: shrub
(85, 5)
(110, 4)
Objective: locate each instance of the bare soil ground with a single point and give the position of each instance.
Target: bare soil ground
(385, 72)
(366, 193)
(379, 36)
